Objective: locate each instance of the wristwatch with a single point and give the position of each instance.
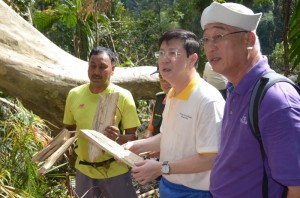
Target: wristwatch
(165, 168)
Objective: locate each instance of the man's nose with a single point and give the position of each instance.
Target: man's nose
(210, 45)
(97, 70)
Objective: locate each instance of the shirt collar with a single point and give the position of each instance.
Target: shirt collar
(186, 92)
(251, 77)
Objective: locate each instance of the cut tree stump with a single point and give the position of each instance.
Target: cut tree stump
(111, 147)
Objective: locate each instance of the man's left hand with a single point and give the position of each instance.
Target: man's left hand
(146, 171)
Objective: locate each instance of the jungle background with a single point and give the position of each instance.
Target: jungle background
(131, 28)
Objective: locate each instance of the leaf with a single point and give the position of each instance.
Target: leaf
(44, 20)
(294, 37)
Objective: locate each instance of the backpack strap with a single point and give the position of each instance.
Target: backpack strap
(259, 91)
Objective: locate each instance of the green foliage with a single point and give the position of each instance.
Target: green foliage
(263, 5)
(144, 114)
(265, 32)
(21, 135)
(22, 7)
(191, 14)
(58, 24)
(6, 189)
(294, 38)
(133, 38)
(276, 58)
(278, 21)
(68, 24)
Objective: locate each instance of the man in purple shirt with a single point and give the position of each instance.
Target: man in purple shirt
(232, 48)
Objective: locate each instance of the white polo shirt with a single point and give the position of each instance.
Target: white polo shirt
(191, 124)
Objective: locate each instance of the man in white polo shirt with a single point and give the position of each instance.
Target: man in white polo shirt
(189, 136)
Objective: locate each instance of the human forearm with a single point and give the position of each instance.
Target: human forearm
(196, 163)
(144, 145)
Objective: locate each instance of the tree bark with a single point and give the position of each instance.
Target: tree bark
(40, 74)
(286, 7)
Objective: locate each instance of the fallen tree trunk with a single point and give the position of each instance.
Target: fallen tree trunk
(40, 74)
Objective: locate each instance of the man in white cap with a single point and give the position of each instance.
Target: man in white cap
(232, 48)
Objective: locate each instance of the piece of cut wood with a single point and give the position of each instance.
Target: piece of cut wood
(104, 117)
(56, 142)
(52, 152)
(106, 111)
(55, 156)
(111, 147)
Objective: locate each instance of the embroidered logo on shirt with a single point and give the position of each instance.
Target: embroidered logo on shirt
(81, 106)
(243, 120)
(184, 116)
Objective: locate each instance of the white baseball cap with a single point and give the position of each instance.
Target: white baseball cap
(232, 14)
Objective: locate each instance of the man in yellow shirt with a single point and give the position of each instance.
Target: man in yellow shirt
(103, 176)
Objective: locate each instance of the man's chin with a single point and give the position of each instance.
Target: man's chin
(97, 82)
(216, 67)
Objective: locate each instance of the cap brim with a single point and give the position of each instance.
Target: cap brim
(232, 14)
(157, 71)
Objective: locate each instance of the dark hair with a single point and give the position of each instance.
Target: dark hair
(99, 50)
(190, 40)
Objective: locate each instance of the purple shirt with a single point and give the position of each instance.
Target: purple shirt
(238, 169)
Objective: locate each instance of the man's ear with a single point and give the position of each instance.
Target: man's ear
(113, 69)
(251, 38)
(194, 58)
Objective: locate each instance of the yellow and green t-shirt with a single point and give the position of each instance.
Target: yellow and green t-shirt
(81, 105)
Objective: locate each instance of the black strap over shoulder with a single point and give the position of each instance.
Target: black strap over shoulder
(259, 91)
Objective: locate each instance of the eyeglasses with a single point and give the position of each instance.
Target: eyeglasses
(169, 54)
(217, 38)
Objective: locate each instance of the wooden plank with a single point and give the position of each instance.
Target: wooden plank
(55, 143)
(111, 147)
(104, 117)
(56, 155)
(106, 111)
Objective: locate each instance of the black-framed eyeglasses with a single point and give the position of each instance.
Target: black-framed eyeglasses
(169, 54)
(217, 38)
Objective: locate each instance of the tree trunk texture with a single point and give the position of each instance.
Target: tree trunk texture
(286, 16)
(40, 74)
